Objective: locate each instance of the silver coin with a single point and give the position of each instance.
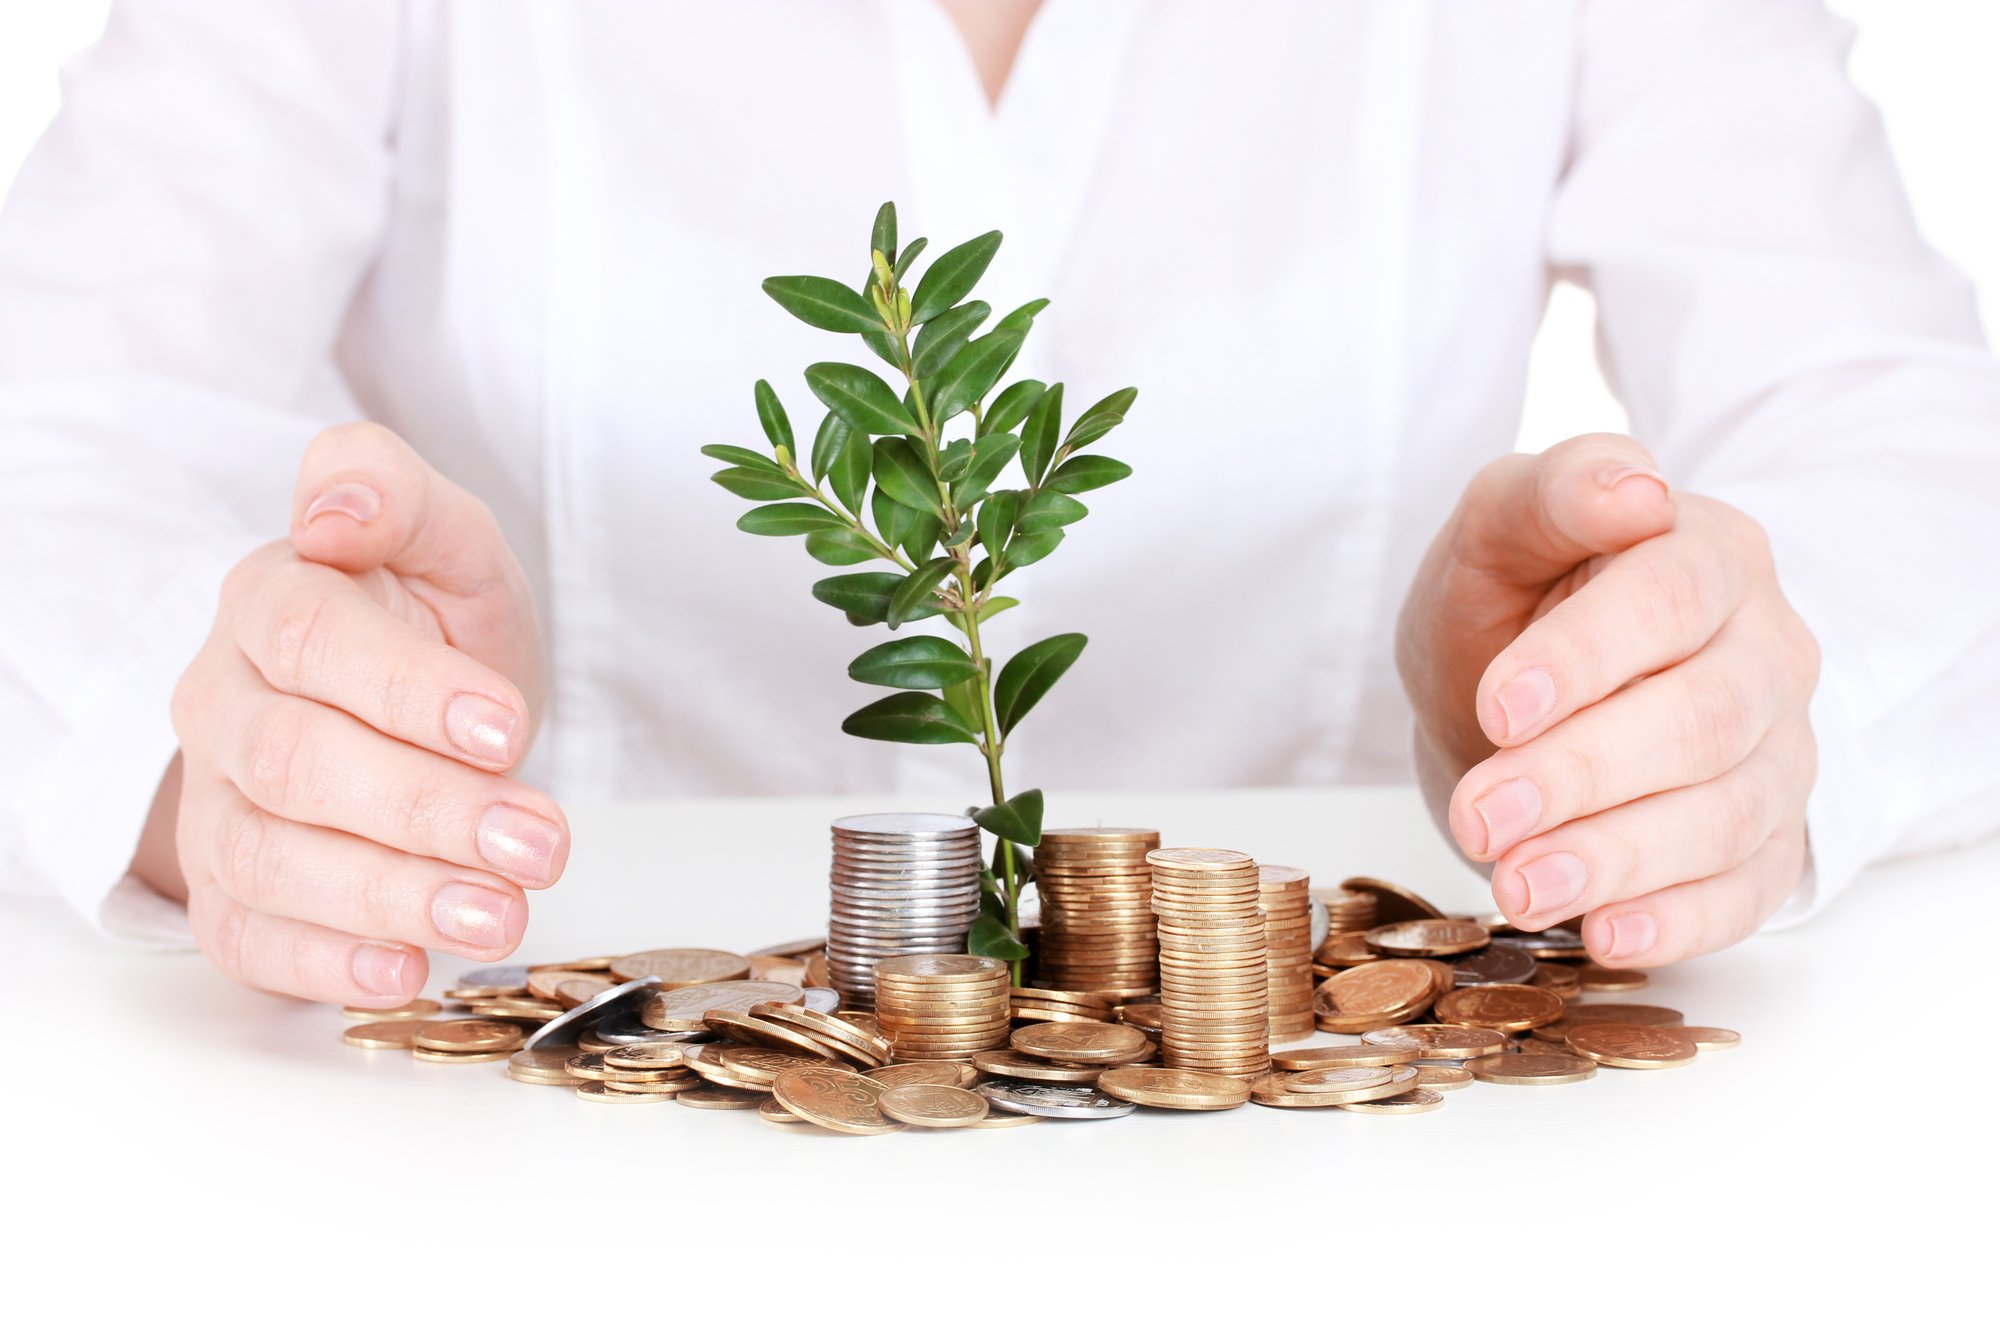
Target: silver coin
(821, 999)
(1495, 965)
(506, 975)
(904, 825)
(609, 1005)
(1064, 1102)
(628, 1033)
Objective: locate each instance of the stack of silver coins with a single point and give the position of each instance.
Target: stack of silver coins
(901, 884)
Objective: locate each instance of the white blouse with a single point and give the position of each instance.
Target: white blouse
(1316, 235)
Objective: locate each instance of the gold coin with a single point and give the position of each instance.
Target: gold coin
(1410, 1103)
(680, 1010)
(758, 1064)
(777, 967)
(839, 1029)
(1531, 1069)
(1632, 1046)
(601, 963)
(457, 1057)
(762, 1032)
(707, 1061)
(933, 1105)
(725, 1099)
(1503, 1008)
(1440, 1041)
(1594, 978)
(469, 1034)
(1445, 1078)
(1380, 988)
(580, 987)
(414, 1009)
(1576, 1015)
(398, 1035)
(598, 1092)
(1013, 1064)
(542, 983)
(834, 1099)
(1341, 1080)
(1429, 937)
(546, 1064)
(1080, 1043)
(772, 1110)
(677, 968)
(1175, 1089)
(999, 1119)
(648, 1055)
(1713, 1039)
(947, 1072)
(794, 948)
(684, 1083)
(1359, 1054)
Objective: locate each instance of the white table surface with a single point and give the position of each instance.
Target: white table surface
(170, 1132)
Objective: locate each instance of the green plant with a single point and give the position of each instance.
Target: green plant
(905, 494)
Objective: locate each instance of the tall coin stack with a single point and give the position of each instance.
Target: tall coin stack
(1346, 908)
(943, 1006)
(902, 884)
(1286, 895)
(1214, 977)
(1097, 918)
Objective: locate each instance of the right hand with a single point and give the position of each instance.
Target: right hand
(344, 732)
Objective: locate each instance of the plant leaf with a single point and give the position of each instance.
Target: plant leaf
(1029, 547)
(920, 662)
(787, 520)
(954, 460)
(851, 468)
(996, 520)
(1041, 433)
(1050, 510)
(824, 304)
(964, 698)
(883, 235)
(993, 607)
(771, 415)
(908, 257)
(1087, 473)
(756, 484)
(1029, 674)
(1018, 819)
(910, 717)
(951, 275)
(1011, 408)
(922, 537)
(839, 546)
(864, 597)
(904, 475)
(1020, 317)
(990, 937)
(990, 456)
(883, 346)
(860, 397)
(827, 441)
(938, 341)
(750, 458)
(968, 376)
(892, 521)
(916, 589)
(1101, 417)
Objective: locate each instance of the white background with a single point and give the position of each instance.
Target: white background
(1927, 63)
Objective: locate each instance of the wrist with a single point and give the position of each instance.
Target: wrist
(156, 862)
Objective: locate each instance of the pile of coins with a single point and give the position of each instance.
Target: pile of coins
(1097, 922)
(901, 884)
(1347, 908)
(1214, 980)
(1285, 893)
(942, 1006)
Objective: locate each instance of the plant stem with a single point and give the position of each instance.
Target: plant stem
(1010, 887)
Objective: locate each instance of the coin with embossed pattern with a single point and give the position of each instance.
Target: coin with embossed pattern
(1632, 1046)
(1530, 1070)
(834, 1099)
(1176, 1089)
(933, 1105)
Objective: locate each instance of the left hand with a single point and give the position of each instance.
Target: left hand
(1629, 653)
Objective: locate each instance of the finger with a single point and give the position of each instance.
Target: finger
(297, 958)
(365, 499)
(334, 879)
(1528, 519)
(312, 764)
(1699, 917)
(1646, 609)
(1683, 726)
(1672, 837)
(311, 632)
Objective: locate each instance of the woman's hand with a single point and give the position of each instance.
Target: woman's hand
(1631, 656)
(344, 732)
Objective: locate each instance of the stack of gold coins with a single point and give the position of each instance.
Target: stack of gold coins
(1346, 909)
(901, 884)
(1097, 923)
(1214, 977)
(1286, 895)
(943, 1006)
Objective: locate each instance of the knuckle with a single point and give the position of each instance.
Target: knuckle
(296, 649)
(433, 809)
(1741, 819)
(246, 855)
(277, 764)
(1716, 722)
(1676, 599)
(225, 938)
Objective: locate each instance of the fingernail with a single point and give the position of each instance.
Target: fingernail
(1509, 812)
(351, 498)
(1554, 882)
(1524, 701)
(474, 914)
(1611, 476)
(378, 969)
(520, 844)
(1632, 933)
(480, 727)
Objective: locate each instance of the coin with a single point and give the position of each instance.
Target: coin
(1445, 1078)
(579, 986)
(793, 948)
(1392, 902)
(933, 1106)
(725, 1099)
(1341, 1087)
(1496, 965)
(1357, 1055)
(468, 1034)
(999, 1119)
(676, 968)
(1043, 1099)
(834, 1099)
(1380, 988)
(414, 1009)
(504, 977)
(680, 1010)
(1713, 1039)
(950, 1073)
(648, 1055)
(1531, 1069)
(1595, 978)
(543, 982)
(1576, 1015)
(762, 1065)
(1503, 1008)
(1410, 1103)
(547, 1064)
(1080, 1043)
(1013, 1064)
(773, 1111)
(598, 1092)
(1429, 938)
(1175, 1089)
(1439, 1041)
(613, 1003)
(392, 1036)
(1632, 1046)
(456, 1057)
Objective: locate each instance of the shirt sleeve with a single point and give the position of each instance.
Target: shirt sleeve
(1786, 342)
(176, 258)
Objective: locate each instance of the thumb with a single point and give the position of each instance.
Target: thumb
(366, 500)
(1529, 519)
